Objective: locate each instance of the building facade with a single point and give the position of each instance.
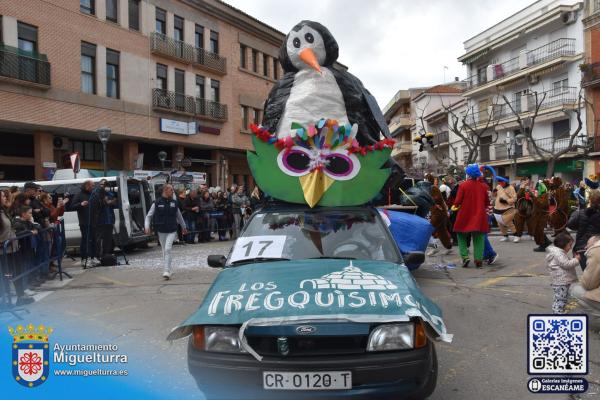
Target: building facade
(591, 77)
(183, 77)
(528, 65)
(431, 117)
(398, 116)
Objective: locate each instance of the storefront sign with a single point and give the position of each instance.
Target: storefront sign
(179, 127)
(209, 130)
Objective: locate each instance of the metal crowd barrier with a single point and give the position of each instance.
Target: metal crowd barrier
(27, 254)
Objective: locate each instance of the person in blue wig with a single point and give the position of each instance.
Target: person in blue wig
(472, 202)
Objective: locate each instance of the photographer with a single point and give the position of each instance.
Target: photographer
(104, 202)
(81, 204)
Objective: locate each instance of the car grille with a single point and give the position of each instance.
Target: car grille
(300, 346)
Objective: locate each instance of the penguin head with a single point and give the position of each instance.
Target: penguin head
(308, 45)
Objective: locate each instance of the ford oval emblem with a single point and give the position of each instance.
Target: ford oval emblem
(305, 330)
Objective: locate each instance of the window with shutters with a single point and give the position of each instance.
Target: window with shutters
(134, 14)
(200, 86)
(112, 74)
(243, 52)
(87, 7)
(254, 60)
(265, 65)
(214, 91)
(160, 24)
(199, 36)
(111, 10)
(214, 42)
(161, 76)
(88, 68)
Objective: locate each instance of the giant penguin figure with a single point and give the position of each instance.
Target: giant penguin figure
(312, 88)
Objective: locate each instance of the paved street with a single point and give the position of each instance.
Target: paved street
(485, 309)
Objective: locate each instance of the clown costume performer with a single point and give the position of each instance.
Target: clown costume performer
(472, 218)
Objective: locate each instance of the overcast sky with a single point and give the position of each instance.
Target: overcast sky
(392, 44)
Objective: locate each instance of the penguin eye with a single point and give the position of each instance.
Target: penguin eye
(294, 162)
(296, 43)
(309, 37)
(341, 166)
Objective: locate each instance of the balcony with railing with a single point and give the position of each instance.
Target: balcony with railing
(441, 138)
(563, 96)
(186, 53)
(26, 67)
(400, 121)
(179, 103)
(527, 60)
(551, 144)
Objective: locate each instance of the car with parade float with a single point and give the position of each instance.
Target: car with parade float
(315, 300)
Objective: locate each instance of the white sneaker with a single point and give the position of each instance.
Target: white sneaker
(448, 251)
(432, 252)
(517, 239)
(504, 239)
(166, 275)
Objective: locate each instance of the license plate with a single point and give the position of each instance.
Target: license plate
(324, 380)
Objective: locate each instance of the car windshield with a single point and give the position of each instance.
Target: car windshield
(305, 234)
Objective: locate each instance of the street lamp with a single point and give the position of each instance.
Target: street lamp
(104, 135)
(179, 158)
(162, 156)
(511, 147)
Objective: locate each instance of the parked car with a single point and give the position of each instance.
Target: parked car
(134, 201)
(314, 303)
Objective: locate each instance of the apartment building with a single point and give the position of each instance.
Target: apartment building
(591, 77)
(399, 119)
(430, 108)
(183, 77)
(532, 59)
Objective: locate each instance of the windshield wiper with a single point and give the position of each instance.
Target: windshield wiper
(258, 259)
(332, 258)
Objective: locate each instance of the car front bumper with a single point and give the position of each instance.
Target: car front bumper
(374, 375)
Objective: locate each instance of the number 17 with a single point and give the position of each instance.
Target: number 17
(248, 247)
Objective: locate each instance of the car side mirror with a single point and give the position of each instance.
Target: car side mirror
(414, 258)
(216, 261)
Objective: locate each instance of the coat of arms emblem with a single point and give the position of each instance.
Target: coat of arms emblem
(30, 354)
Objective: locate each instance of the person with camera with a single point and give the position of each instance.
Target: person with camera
(164, 216)
(81, 204)
(103, 204)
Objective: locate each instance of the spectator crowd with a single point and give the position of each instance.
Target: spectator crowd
(25, 218)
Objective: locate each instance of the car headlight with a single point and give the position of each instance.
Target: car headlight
(222, 339)
(392, 337)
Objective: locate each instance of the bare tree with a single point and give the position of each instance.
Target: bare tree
(552, 149)
(471, 127)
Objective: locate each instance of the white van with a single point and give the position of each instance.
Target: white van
(134, 203)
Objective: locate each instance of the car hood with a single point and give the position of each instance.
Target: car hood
(284, 292)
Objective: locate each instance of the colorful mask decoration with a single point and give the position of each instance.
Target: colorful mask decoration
(319, 164)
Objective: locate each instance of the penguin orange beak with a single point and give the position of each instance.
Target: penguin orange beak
(308, 56)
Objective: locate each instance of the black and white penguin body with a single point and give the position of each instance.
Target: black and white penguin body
(312, 88)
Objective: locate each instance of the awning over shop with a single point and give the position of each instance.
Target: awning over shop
(540, 168)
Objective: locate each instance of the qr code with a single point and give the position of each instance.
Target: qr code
(557, 344)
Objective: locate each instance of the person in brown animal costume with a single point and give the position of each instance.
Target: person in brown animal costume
(559, 205)
(439, 214)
